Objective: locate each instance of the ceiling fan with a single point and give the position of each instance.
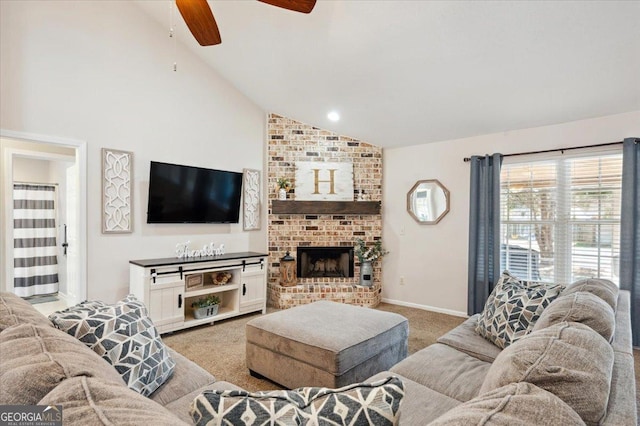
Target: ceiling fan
(202, 24)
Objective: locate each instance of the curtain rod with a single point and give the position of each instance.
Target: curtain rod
(467, 159)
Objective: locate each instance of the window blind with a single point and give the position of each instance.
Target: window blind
(560, 218)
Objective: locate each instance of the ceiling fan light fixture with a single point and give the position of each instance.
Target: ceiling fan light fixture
(199, 18)
(302, 6)
(333, 116)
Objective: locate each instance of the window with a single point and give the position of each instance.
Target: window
(560, 218)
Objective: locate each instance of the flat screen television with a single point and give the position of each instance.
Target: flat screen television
(185, 194)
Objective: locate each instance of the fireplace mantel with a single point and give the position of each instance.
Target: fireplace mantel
(325, 207)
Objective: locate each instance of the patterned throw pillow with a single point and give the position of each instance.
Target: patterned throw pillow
(513, 307)
(124, 336)
(374, 403)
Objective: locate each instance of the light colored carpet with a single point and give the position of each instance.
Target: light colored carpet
(220, 348)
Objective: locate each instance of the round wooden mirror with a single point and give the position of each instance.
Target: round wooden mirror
(428, 201)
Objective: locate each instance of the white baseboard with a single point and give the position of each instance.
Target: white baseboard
(426, 308)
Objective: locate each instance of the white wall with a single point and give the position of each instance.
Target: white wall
(32, 170)
(433, 258)
(58, 173)
(102, 72)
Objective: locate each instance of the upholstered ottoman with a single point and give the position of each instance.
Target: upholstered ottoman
(325, 344)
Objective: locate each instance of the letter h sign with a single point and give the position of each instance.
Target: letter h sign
(322, 181)
(331, 181)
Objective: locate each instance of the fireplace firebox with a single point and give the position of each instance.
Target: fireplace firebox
(325, 262)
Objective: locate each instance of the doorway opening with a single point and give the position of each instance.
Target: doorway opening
(33, 163)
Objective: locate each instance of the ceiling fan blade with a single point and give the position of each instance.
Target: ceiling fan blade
(200, 20)
(303, 6)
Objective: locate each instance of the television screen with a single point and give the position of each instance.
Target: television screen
(184, 194)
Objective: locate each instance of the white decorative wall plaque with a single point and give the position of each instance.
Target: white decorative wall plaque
(251, 200)
(321, 181)
(117, 179)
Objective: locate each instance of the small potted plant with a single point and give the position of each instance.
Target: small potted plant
(367, 256)
(206, 306)
(284, 186)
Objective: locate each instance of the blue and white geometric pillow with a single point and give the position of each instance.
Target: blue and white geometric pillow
(513, 307)
(376, 403)
(124, 336)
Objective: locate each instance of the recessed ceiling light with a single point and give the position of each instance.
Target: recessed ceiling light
(333, 116)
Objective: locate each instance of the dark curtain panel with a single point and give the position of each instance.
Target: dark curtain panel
(630, 230)
(484, 230)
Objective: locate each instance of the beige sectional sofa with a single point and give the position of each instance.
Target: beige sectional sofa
(43, 365)
(563, 372)
(576, 374)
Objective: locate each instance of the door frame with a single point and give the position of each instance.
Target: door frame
(8, 154)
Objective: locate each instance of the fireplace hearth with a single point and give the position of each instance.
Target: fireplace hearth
(325, 262)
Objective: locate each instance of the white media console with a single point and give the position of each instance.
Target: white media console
(169, 286)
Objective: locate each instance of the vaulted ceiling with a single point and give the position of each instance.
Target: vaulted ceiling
(410, 72)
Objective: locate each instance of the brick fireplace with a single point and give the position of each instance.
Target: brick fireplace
(325, 262)
(321, 276)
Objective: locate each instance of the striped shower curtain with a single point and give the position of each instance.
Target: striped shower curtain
(34, 240)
